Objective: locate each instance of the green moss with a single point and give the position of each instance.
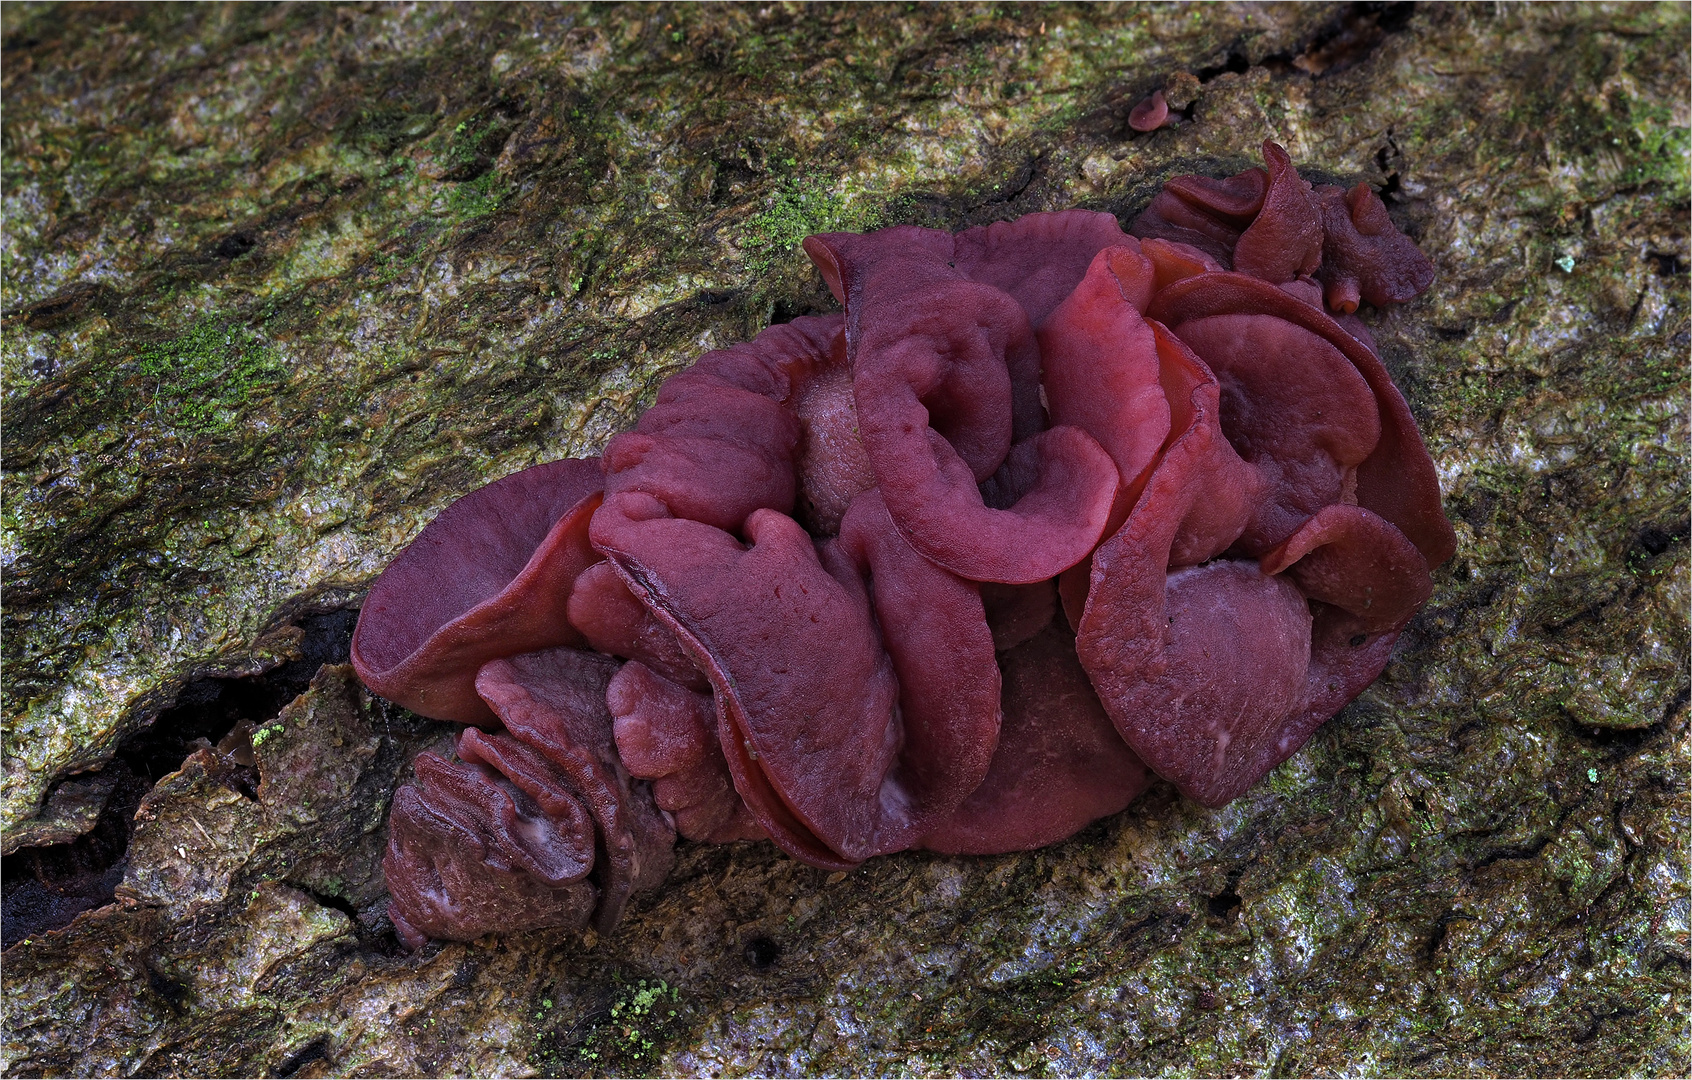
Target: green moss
(201, 381)
(801, 206)
(1662, 149)
(475, 198)
(625, 1039)
(469, 143)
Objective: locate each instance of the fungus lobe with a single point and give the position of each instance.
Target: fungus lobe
(1049, 510)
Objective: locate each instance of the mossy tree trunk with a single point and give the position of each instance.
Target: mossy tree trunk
(281, 282)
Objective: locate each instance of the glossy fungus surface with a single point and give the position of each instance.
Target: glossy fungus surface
(1048, 511)
(1150, 114)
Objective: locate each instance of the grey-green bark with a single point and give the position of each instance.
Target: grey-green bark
(281, 282)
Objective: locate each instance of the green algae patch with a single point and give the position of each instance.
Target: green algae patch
(802, 206)
(626, 1037)
(1664, 154)
(475, 198)
(199, 382)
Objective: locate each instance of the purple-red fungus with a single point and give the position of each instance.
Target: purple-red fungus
(1150, 114)
(1048, 509)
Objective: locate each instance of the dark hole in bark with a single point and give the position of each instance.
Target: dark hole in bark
(1347, 40)
(1352, 37)
(234, 246)
(1018, 182)
(44, 888)
(172, 992)
(47, 309)
(316, 1050)
(64, 307)
(1655, 540)
(1622, 743)
(713, 297)
(761, 952)
(339, 903)
(209, 709)
(1223, 903)
(1236, 63)
(1668, 264)
(730, 175)
(786, 309)
(1436, 938)
(1598, 1018)
(370, 924)
(1391, 190)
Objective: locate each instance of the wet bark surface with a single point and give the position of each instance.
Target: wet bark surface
(279, 283)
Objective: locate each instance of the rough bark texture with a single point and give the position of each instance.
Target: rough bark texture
(281, 282)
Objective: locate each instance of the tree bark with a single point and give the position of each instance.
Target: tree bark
(282, 282)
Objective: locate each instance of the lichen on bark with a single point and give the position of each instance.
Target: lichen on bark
(281, 282)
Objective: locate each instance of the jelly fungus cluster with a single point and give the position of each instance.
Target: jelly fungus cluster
(1048, 509)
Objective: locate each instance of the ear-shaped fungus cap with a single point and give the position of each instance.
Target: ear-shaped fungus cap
(1100, 367)
(668, 733)
(1060, 764)
(1203, 213)
(933, 358)
(721, 440)
(1038, 259)
(1197, 668)
(794, 660)
(506, 837)
(490, 577)
(1396, 478)
(1364, 256)
(1275, 226)
(1216, 673)
(471, 853)
(806, 686)
(1149, 114)
(1285, 240)
(856, 693)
